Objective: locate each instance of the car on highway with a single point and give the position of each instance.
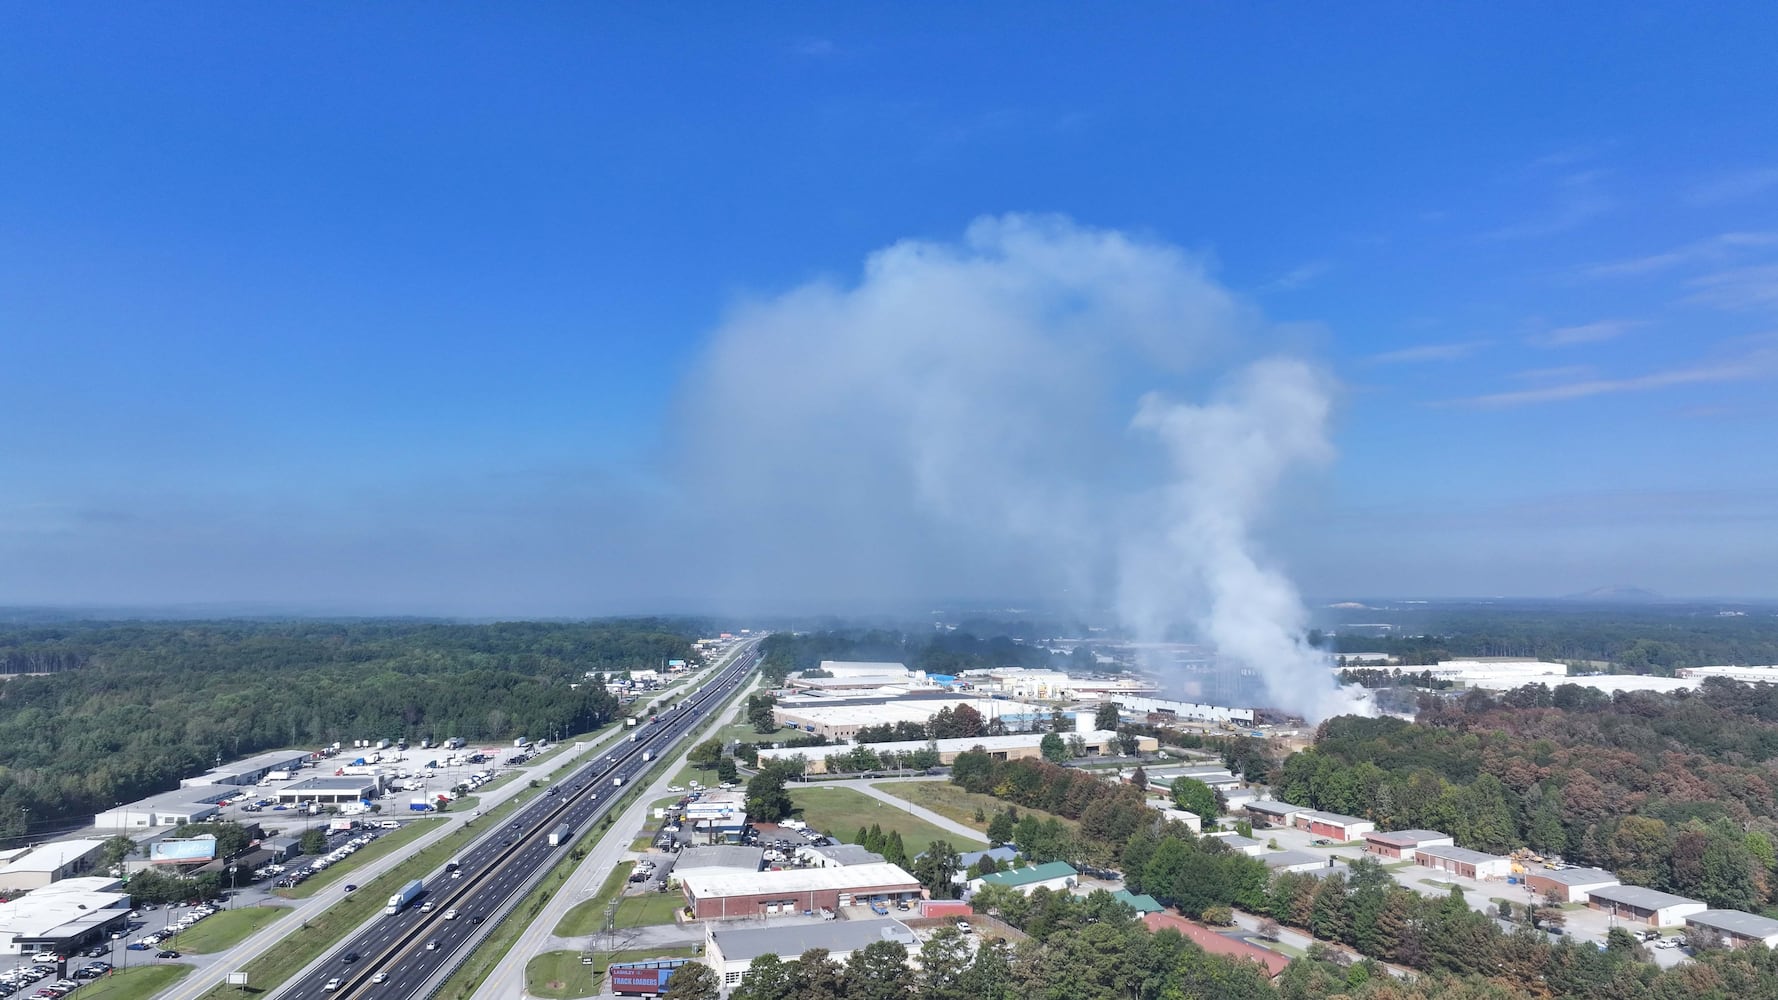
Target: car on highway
(332, 984)
(349, 957)
(432, 945)
(381, 977)
(457, 874)
(351, 888)
(475, 918)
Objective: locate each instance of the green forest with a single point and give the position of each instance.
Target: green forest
(135, 707)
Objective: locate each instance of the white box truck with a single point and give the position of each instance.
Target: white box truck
(559, 835)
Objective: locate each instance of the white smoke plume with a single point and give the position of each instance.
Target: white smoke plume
(959, 421)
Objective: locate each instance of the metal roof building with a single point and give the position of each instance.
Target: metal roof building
(723, 895)
(47, 863)
(730, 951)
(1463, 862)
(1649, 906)
(249, 771)
(61, 917)
(1738, 928)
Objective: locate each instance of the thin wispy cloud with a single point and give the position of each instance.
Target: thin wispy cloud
(1714, 249)
(1299, 276)
(1737, 185)
(1430, 353)
(1740, 289)
(1578, 200)
(1585, 333)
(1755, 364)
(815, 48)
(1561, 372)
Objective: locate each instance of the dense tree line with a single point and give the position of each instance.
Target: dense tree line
(154, 703)
(1670, 791)
(1108, 814)
(1654, 639)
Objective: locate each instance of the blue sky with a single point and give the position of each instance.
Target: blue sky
(394, 307)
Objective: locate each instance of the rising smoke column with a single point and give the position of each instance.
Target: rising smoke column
(958, 420)
(1191, 555)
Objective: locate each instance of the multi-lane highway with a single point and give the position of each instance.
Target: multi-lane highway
(394, 957)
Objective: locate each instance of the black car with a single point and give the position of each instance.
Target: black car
(351, 888)
(349, 957)
(476, 919)
(166, 954)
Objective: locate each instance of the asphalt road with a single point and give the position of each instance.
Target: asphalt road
(412, 947)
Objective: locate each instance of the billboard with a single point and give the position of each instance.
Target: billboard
(642, 977)
(163, 852)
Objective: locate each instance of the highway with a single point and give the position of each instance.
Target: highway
(412, 947)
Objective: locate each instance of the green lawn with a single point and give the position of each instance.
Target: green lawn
(645, 909)
(560, 975)
(841, 811)
(588, 916)
(135, 983)
(954, 803)
(225, 929)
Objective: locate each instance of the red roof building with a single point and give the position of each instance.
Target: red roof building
(1217, 944)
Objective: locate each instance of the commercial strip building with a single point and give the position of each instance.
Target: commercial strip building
(1635, 904)
(63, 916)
(1333, 826)
(1056, 875)
(1738, 929)
(1018, 746)
(720, 896)
(1400, 844)
(184, 805)
(1571, 885)
(249, 771)
(1267, 812)
(43, 864)
(1463, 862)
(332, 790)
(730, 951)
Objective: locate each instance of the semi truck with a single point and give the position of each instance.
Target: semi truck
(617, 782)
(559, 835)
(408, 894)
(647, 755)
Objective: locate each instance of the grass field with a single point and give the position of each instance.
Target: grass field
(745, 732)
(136, 983)
(841, 811)
(643, 910)
(953, 803)
(225, 929)
(560, 975)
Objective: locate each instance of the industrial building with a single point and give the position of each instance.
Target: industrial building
(722, 859)
(249, 771)
(1001, 855)
(1571, 885)
(1219, 778)
(1487, 671)
(1057, 875)
(1333, 826)
(1400, 844)
(730, 951)
(63, 917)
(724, 896)
(837, 856)
(1187, 711)
(1055, 685)
(1192, 820)
(1463, 862)
(333, 790)
(842, 718)
(43, 864)
(1267, 812)
(184, 805)
(1644, 906)
(1018, 746)
(1738, 929)
(1241, 845)
(1296, 861)
(1750, 675)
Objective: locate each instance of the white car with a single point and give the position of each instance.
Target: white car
(381, 977)
(451, 914)
(332, 984)
(675, 788)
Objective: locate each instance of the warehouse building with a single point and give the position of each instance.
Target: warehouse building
(730, 951)
(1002, 856)
(63, 917)
(1186, 711)
(725, 896)
(47, 863)
(1463, 862)
(1241, 845)
(1056, 875)
(1401, 843)
(1019, 746)
(332, 791)
(1296, 861)
(840, 719)
(1266, 812)
(184, 805)
(1333, 826)
(249, 771)
(837, 856)
(1571, 885)
(723, 859)
(1644, 906)
(1738, 929)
